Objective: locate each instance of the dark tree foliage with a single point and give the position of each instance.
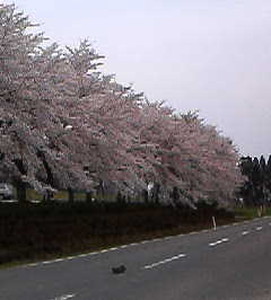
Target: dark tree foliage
(256, 189)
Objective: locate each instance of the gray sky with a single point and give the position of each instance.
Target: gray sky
(210, 55)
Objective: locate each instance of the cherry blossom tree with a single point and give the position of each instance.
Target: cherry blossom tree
(34, 83)
(64, 124)
(190, 155)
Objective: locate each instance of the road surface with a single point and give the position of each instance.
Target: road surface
(231, 263)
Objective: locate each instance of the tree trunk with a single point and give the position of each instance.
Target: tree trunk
(155, 193)
(145, 196)
(21, 191)
(70, 195)
(47, 197)
(89, 196)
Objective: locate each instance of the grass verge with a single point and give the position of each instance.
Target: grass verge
(46, 231)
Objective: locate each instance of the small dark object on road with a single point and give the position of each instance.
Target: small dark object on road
(119, 270)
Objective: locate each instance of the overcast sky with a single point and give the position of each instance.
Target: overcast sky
(209, 55)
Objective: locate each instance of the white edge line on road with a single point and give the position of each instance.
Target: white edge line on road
(47, 262)
(70, 257)
(59, 259)
(83, 255)
(192, 233)
(93, 253)
(225, 226)
(32, 265)
(157, 240)
(133, 244)
(113, 248)
(104, 250)
(144, 242)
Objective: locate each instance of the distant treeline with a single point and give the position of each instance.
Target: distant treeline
(256, 189)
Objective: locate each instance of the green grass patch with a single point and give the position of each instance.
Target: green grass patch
(61, 195)
(251, 212)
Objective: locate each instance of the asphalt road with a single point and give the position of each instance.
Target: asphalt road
(232, 262)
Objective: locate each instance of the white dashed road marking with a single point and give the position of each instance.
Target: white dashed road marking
(65, 297)
(218, 242)
(167, 260)
(215, 243)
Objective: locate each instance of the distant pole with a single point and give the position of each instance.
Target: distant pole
(214, 222)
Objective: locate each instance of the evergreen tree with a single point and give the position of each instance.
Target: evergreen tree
(256, 189)
(268, 178)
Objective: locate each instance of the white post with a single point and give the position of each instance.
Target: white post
(214, 222)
